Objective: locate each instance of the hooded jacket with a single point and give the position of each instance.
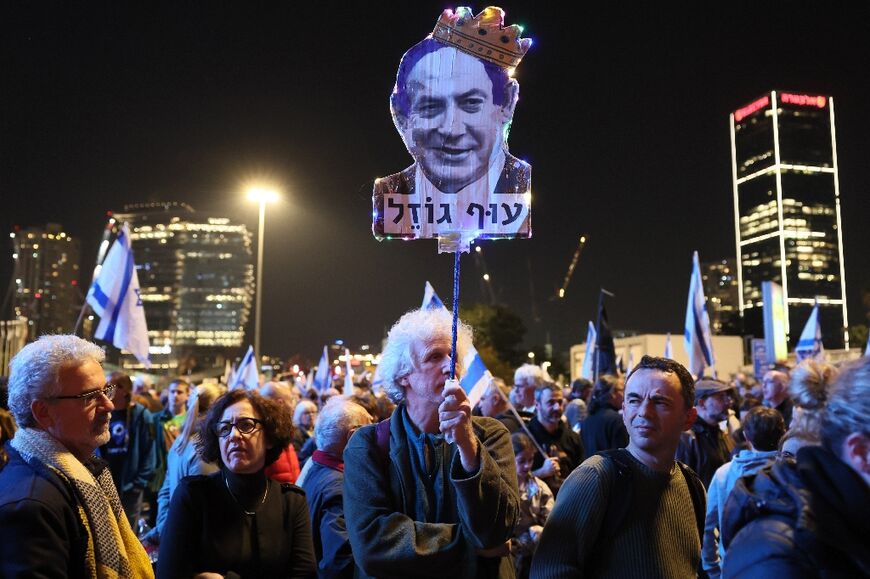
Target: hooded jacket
(747, 462)
(809, 518)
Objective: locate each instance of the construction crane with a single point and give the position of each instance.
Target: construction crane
(574, 260)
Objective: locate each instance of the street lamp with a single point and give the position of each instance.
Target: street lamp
(261, 196)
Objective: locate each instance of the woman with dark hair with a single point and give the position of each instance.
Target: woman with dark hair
(237, 522)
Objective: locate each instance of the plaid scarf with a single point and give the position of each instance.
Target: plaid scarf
(113, 550)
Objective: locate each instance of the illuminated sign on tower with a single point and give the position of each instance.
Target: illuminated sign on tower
(787, 211)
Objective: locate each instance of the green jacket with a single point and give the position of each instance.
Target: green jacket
(391, 539)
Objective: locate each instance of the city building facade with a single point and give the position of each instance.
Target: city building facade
(787, 211)
(196, 274)
(719, 279)
(46, 278)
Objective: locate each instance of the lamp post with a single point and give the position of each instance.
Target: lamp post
(261, 196)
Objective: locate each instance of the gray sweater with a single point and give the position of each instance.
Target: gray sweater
(659, 537)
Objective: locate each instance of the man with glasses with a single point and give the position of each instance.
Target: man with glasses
(705, 447)
(59, 509)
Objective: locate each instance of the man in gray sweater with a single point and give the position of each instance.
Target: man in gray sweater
(628, 512)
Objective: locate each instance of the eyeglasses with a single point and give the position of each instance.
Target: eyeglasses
(89, 397)
(243, 425)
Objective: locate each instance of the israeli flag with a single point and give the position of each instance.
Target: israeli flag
(588, 369)
(247, 376)
(668, 351)
(698, 339)
(322, 379)
(430, 298)
(348, 375)
(477, 377)
(810, 343)
(115, 297)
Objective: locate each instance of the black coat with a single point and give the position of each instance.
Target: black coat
(603, 430)
(41, 534)
(804, 519)
(704, 448)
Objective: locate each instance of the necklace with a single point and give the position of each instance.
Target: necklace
(249, 513)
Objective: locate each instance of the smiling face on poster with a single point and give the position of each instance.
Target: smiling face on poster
(452, 105)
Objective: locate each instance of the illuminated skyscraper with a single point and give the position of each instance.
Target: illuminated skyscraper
(196, 274)
(720, 289)
(46, 278)
(787, 211)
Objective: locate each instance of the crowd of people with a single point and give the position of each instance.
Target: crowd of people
(652, 474)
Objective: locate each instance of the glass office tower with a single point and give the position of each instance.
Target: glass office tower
(787, 211)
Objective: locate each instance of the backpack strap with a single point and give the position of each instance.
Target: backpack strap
(621, 494)
(699, 497)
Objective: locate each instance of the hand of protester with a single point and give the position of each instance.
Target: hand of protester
(502, 550)
(454, 415)
(535, 532)
(549, 468)
(208, 576)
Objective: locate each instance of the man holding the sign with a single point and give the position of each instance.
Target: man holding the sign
(432, 488)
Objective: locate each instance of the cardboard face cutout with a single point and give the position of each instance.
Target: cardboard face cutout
(453, 109)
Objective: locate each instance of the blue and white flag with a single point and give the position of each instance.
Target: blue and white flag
(430, 298)
(322, 378)
(698, 339)
(477, 377)
(668, 352)
(247, 376)
(588, 369)
(810, 343)
(630, 363)
(114, 296)
(348, 375)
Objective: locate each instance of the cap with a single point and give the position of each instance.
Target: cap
(707, 386)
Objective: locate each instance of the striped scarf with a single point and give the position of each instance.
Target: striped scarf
(113, 550)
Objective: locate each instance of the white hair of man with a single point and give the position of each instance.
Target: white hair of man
(301, 408)
(528, 374)
(34, 370)
(417, 326)
(338, 418)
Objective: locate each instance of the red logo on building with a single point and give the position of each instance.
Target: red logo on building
(741, 114)
(803, 100)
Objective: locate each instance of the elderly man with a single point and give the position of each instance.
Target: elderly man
(627, 512)
(453, 105)
(527, 379)
(60, 513)
(774, 387)
(323, 481)
(494, 400)
(431, 490)
(705, 447)
(809, 518)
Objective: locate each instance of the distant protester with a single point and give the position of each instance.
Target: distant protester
(603, 428)
(762, 427)
(183, 458)
(536, 502)
(323, 481)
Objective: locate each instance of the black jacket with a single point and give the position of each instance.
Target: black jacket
(564, 443)
(704, 448)
(603, 430)
(809, 518)
(41, 534)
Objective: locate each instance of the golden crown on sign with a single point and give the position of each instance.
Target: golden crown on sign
(484, 36)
